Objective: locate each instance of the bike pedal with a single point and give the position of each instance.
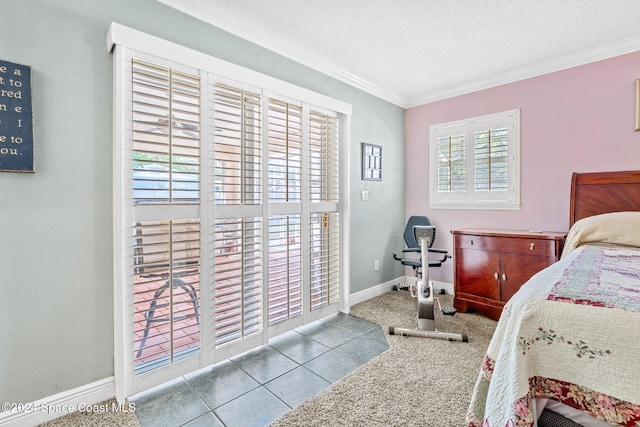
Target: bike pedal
(449, 311)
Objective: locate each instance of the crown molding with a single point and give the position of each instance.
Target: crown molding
(576, 59)
(204, 11)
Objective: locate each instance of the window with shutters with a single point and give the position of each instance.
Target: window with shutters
(228, 227)
(475, 163)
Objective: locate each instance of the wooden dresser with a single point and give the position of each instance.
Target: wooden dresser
(491, 265)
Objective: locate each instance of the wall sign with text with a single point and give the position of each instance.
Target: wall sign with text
(16, 118)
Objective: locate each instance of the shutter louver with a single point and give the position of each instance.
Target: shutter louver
(238, 279)
(285, 152)
(166, 292)
(491, 160)
(285, 268)
(325, 259)
(451, 164)
(324, 157)
(166, 135)
(238, 145)
(324, 227)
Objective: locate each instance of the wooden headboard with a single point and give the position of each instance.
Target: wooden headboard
(603, 192)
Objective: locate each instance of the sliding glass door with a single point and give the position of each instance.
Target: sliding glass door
(228, 217)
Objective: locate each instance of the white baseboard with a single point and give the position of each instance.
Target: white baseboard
(383, 288)
(59, 405)
(374, 291)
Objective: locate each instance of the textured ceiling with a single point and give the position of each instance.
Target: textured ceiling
(414, 51)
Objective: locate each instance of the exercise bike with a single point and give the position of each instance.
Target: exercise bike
(423, 292)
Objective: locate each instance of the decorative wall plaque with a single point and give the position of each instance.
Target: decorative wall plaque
(16, 118)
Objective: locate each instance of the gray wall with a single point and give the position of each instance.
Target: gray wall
(56, 305)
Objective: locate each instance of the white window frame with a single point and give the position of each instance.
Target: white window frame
(470, 198)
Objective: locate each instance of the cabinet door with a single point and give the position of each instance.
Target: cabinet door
(475, 273)
(517, 269)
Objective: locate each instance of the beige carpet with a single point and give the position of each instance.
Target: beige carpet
(417, 382)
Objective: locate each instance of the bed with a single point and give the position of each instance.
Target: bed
(568, 342)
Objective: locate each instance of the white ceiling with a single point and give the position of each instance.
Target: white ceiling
(410, 52)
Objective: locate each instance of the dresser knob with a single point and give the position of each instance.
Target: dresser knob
(471, 242)
(531, 246)
(495, 275)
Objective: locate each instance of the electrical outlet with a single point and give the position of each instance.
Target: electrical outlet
(376, 265)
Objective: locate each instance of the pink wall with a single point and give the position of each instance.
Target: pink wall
(580, 119)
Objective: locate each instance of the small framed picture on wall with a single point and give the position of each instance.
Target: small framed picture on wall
(371, 162)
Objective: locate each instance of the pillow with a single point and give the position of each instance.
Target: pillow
(617, 227)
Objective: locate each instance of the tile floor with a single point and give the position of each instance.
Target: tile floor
(257, 387)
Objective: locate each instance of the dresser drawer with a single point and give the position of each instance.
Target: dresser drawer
(529, 246)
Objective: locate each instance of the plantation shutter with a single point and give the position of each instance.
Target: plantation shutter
(324, 220)
(475, 162)
(285, 151)
(324, 156)
(285, 229)
(491, 160)
(238, 270)
(166, 134)
(325, 266)
(226, 209)
(238, 236)
(165, 156)
(166, 292)
(285, 267)
(238, 144)
(452, 163)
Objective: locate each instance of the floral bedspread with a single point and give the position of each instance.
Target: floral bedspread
(571, 334)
